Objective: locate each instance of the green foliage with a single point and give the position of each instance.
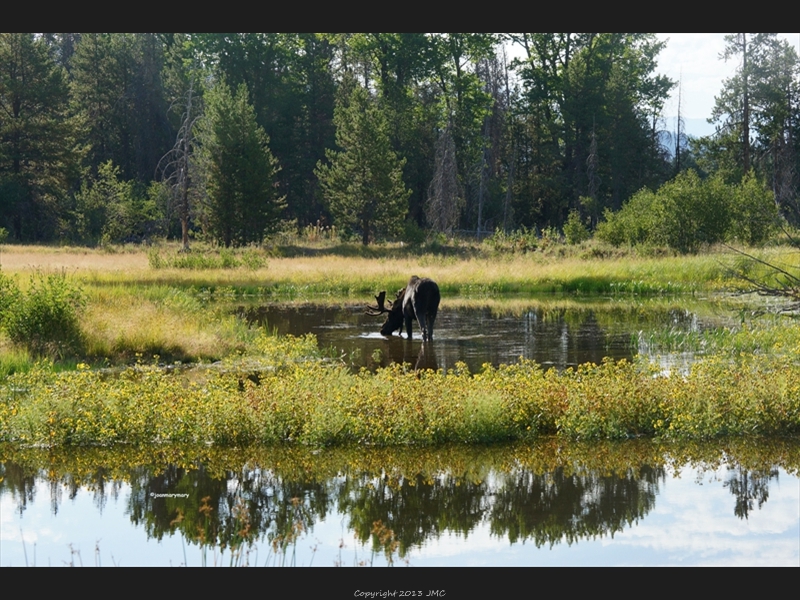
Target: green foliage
(688, 212)
(243, 203)
(363, 183)
(574, 230)
(281, 392)
(37, 138)
(10, 296)
(45, 318)
(109, 210)
(587, 99)
(754, 216)
(118, 98)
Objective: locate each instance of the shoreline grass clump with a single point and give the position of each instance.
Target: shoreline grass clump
(44, 318)
(286, 393)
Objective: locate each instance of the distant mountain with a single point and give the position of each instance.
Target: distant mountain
(698, 127)
(693, 128)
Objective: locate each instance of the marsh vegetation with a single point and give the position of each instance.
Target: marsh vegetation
(251, 385)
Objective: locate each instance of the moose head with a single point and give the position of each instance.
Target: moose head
(419, 299)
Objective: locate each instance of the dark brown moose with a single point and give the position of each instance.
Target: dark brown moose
(419, 299)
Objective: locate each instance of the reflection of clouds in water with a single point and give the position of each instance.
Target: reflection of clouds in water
(695, 524)
(692, 522)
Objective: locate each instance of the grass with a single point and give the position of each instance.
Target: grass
(471, 273)
(133, 308)
(282, 390)
(285, 392)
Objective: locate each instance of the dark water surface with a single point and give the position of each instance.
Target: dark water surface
(545, 504)
(558, 337)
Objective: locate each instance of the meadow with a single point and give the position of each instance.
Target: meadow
(149, 313)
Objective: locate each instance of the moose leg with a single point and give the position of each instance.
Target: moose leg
(431, 319)
(424, 324)
(409, 319)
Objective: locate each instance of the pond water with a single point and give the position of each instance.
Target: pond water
(552, 503)
(633, 503)
(558, 336)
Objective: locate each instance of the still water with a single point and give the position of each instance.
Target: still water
(633, 503)
(735, 502)
(556, 335)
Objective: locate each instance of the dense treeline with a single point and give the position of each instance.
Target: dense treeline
(117, 137)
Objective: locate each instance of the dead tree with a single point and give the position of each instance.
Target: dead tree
(176, 166)
(445, 196)
(779, 282)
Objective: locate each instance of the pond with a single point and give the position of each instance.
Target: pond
(550, 503)
(558, 333)
(639, 502)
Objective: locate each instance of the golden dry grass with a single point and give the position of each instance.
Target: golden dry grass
(79, 261)
(513, 272)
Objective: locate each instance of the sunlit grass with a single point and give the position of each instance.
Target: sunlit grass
(167, 322)
(283, 391)
(13, 359)
(473, 274)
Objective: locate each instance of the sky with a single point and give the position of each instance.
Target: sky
(694, 59)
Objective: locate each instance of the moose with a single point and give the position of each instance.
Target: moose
(419, 299)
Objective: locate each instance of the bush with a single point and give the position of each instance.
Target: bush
(45, 320)
(688, 212)
(9, 295)
(754, 214)
(574, 230)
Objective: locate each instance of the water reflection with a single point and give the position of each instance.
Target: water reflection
(552, 336)
(393, 501)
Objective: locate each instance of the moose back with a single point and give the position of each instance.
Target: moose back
(418, 300)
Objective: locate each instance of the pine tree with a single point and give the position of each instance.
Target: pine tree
(363, 183)
(242, 203)
(36, 138)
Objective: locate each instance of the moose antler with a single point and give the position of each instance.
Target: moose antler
(380, 308)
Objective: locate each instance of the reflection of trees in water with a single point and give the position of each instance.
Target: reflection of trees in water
(555, 506)
(414, 509)
(228, 512)
(21, 483)
(545, 493)
(521, 505)
(749, 487)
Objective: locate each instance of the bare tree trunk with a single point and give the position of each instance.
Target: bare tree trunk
(746, 107)
(175, 166)
(445, 196)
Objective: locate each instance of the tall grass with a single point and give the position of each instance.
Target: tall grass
(475, 272)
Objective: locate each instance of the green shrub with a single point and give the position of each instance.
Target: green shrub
(574, 230)
(753, 211)
(45, 319)
(9, 295)
(688, 212)
(109, 210)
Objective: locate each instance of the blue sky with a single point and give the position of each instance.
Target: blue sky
(694, 58)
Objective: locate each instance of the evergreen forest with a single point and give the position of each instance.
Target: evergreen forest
(229, 138)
